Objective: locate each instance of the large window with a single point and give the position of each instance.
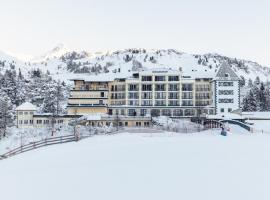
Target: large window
(166, 112)
(133, 87)
(173, 103)
(146, 95)
(146, 78)
(187, 103)
(227, 83)
(178, 112)
(132, 112)
(160, 95)
(160, 87)
(173, 87)
(187, 95)
(173, 95)
(173, 78)
(187, 87)
(225, 101)
(160, 103)
(159, 78)
(146, 87)
(225, 92)
(133, 95)
(147, 103)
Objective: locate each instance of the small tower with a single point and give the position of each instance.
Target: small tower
(25, 114)
(226, 90)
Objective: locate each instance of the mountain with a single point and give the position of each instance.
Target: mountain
(64, 64)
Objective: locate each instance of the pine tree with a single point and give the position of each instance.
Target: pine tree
(249, 102)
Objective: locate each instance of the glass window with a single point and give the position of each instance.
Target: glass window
(225, 83)
(225, 100)
(146, 78)
(159, 78)
(173, 78)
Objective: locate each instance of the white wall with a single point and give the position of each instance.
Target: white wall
(235, 97)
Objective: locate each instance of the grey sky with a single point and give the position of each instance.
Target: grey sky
(235, 28)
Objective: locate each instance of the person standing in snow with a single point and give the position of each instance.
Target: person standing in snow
(223, 132)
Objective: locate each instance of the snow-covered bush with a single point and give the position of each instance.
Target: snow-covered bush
(177, 125)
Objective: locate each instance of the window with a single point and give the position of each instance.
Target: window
(143, 112)
(122, 111)
(187, 103)
(60, 121)
(225, 84)
(160, 87)
(159, 78)
(133, 95)
(229, 110)
(21, 122)
(31, 113)
(166, 112)
(173, 78)
(189, 112)
(225, 101)
(46, 121)
(173, 95)
(225, 92)
(146, 123)
(126, 123)
(25, 113)
(146, 78)
(147, 103)
(31, 121)
(187, 95)
(173, 87)
(178, 112)
(222, 110)
(138, 123)
(160, 95)
(25, 121)
(173, 103)
(100, 102)
(39, 121)
(146, 87)
(226, 75)
(20, 113)
(146, 95)
(133, 87)
(102, 94)
(133, 103)
(160, 103)
(187, 87)
(132, 112)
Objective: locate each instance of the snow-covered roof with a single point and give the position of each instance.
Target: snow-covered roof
(27, 106)
(257, 115)
(226, 72)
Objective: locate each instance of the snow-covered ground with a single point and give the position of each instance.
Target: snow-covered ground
(143, 166)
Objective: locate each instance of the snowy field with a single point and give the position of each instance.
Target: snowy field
(143, 166)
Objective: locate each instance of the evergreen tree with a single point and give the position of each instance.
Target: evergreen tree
(249, 102)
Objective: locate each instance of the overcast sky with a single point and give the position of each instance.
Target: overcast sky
(237, 28)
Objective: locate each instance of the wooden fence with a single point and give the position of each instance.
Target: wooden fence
(39, 144)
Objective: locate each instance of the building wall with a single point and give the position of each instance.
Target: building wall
(86, 110)
(25, 118)
(226, 96)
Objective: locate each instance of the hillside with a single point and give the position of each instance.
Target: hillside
(62, 63)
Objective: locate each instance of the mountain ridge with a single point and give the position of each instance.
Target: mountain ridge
(62, 62)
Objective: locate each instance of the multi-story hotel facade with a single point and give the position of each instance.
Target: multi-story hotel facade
(135, 99)
(159, 92)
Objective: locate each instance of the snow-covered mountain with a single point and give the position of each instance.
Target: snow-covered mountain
(63, 63)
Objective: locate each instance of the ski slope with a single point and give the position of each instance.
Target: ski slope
(143, 166)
